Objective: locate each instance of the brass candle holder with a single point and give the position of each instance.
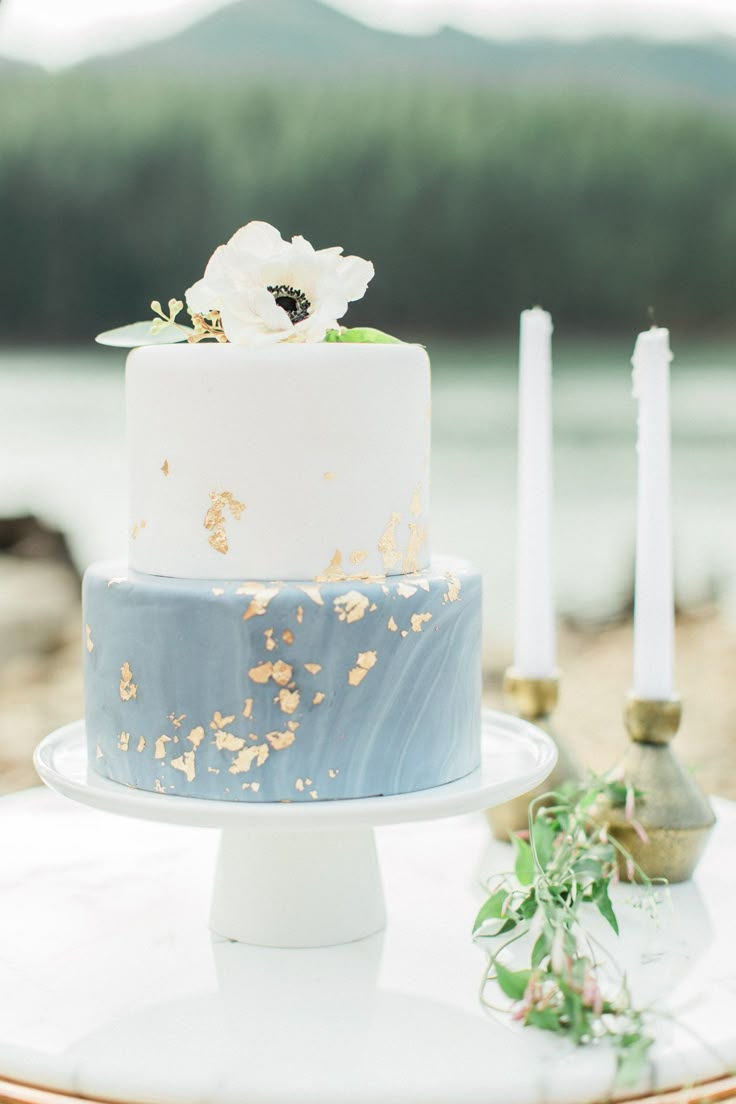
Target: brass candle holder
(534, 700)
(674, 813)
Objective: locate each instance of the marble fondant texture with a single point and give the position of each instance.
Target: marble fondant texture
(290, 462)
(283, 691)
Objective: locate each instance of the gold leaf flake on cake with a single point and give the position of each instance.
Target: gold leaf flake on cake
(269, 643)
(333, 772)
(318, 698)
(196, 736)
(259, 602)
(88, 638)
(245, 758)
(422, 582)
(287, 636)
(255, 786)
(404, 632)
(313, 794)
(137, 528)
(141, 744)
(313, 668)
(288, 700)
(159, 749)
(387, 545)
(293, 725)
(228, 741)
(158, 787)
(299, 784)
(281, 672)
(299, 614)
(218, 721)
(351, 607)
(123, 741)
(405, 590)
(249, 588)
(165, 467)
(213, 770)
(358, 556)
(186, 764)
(214, 519)
(453, 588)
(415, 506)
(176, 721)
(372, 607)
(333, 573)
(280, 740)
(419, 619)
(261, 672)
(329, 475)
(128, 688)
(314, 593)
(247, 707)
(417, 537)
(391, 625)
(364, 662)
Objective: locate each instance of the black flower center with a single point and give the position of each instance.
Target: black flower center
(292, 300)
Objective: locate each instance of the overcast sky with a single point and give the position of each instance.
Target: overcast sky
(56, 32)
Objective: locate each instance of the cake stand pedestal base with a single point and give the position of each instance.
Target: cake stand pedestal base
(297, 889)
(305, 873)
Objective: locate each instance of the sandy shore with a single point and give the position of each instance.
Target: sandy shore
(41, 688)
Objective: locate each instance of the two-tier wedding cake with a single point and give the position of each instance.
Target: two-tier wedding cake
(280, 632)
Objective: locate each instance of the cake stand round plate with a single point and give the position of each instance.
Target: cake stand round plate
(304, 874)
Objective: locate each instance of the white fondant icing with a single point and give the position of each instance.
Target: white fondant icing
(322, 444)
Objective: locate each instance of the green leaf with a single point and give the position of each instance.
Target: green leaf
(362, 335)
(512, 982)
(540, 949)
(143, 333)
(632, 1057)
(545, 1018)
(603, 901)
(491, 910)
(524, 864)
(544, 841)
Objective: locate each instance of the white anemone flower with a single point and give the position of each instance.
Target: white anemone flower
(269, 290)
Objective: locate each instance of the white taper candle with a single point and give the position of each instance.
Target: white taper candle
(534, 650)
(654, 594)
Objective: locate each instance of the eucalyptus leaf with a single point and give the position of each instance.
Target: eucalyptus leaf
(144, 333)
(512, 982)
(491, 910)
(603, 901)
(540, 949)
(524, 864)
(543, 835)
(546, 1018)
(362, 335)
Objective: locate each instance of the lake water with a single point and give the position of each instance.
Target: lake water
(62, 456)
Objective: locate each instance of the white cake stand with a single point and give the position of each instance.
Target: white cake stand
(304, 874)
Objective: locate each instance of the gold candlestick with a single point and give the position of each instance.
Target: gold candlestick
(674, 813)
(534, 700)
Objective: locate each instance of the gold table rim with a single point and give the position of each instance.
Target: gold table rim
(713, 1091)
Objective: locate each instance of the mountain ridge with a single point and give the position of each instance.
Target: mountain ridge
(307, 40)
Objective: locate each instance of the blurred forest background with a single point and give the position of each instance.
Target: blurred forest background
(597, 178)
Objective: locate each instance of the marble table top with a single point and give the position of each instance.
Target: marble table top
(112, 987)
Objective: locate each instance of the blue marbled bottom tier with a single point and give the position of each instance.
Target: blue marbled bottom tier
(283, 691)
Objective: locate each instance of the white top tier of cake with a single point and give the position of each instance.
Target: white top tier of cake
(294, 461)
